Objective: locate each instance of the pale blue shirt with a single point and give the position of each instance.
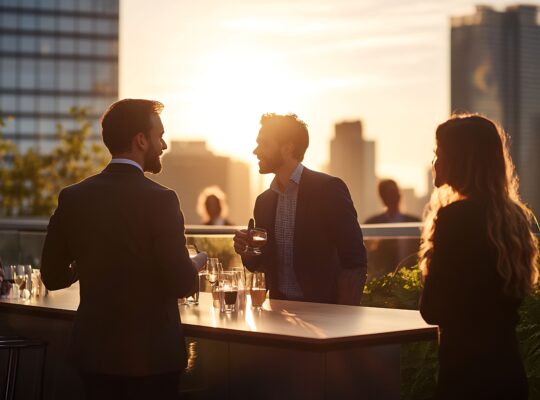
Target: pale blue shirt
(126, 161)
(284, 234)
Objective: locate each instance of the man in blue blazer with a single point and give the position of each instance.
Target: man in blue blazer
(315, 250)
(121, 236)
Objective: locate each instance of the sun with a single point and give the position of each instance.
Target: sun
(230, 91)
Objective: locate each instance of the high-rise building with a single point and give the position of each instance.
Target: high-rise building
(189, 167)
(55, 54)
(495, 71)
(352, 158)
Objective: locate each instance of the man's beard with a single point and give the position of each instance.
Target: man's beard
(271, 164)
(152, 163)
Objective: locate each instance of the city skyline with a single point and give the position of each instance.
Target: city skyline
(386, 63)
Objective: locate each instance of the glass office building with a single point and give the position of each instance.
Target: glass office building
(55, 54)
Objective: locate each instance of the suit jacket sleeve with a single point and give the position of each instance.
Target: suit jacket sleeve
(57, 271)
(342, 222)
(174, 266)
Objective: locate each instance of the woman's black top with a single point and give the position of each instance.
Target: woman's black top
(463, 294)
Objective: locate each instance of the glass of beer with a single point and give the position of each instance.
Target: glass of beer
(256, 239)
(257, 290)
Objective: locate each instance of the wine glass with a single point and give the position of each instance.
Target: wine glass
(256, 239)
(213, 267)
(257, 290)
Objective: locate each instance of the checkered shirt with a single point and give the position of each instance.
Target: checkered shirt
(284, 235)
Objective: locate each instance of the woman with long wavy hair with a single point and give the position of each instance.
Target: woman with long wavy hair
(479, 260)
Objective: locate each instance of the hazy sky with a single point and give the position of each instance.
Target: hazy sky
(219, 64)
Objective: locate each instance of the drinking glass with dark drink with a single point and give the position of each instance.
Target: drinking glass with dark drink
(256, 239)
(228, 282)
(257, 290)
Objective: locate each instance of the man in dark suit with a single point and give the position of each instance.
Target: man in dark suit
(121, 236)
(391, 197)
(315, 250)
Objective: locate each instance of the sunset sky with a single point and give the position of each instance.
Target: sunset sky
(218, 65)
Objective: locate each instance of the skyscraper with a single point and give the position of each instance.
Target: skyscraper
(352, 158)
(55, 54)
(495, 71)
(189, 167)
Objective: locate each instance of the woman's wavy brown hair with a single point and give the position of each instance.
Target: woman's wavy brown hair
(477, 165)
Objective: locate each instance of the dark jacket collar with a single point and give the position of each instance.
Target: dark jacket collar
(123, 169)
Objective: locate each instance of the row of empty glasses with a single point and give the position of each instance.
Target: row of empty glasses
(20, 281)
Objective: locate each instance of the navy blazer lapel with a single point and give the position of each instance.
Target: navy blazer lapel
(270, 214)
(304, 193)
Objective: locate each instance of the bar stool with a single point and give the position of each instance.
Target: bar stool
(14, 345)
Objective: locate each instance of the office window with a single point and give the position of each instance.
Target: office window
(103, 82)
(46, 126)
(46, 45)
(46, 104)
(106, 6)
(28, 22)
(67, 5)
(68, 123)
(9, 72)
(86, 102)
(85, 47)
(26, 126)
(47, 23)
(28, 3)
(106, 26)
(65, 103)
(106, 48)
(8, 43)
(114, 77)
(28, 44)
(86, 5)
(66, 75)
(9, 20)
(8, 104)
(46, 74)
(11, 126)
(66, 24)
(66, 46)
(85, 76)
(46, 4)
(27, 104)
(85, 25)
(28, 74)
(9, 3)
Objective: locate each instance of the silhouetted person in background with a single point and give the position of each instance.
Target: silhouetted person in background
(315, 250)
(121, 235)
(391, 197)
(212, 206)
(479, 260)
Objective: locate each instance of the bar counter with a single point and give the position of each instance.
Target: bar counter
(287, 350)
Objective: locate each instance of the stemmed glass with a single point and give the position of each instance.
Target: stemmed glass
(257, 290)
(256, 239)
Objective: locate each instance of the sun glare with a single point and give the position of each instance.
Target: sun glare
(231, 90)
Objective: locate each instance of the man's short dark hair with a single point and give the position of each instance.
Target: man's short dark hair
(124, 119)
(288, 128)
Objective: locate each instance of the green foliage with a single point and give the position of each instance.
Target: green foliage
(399, 290)
(528, 332)
(218, 246)
(419, 360)
(30, 182)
